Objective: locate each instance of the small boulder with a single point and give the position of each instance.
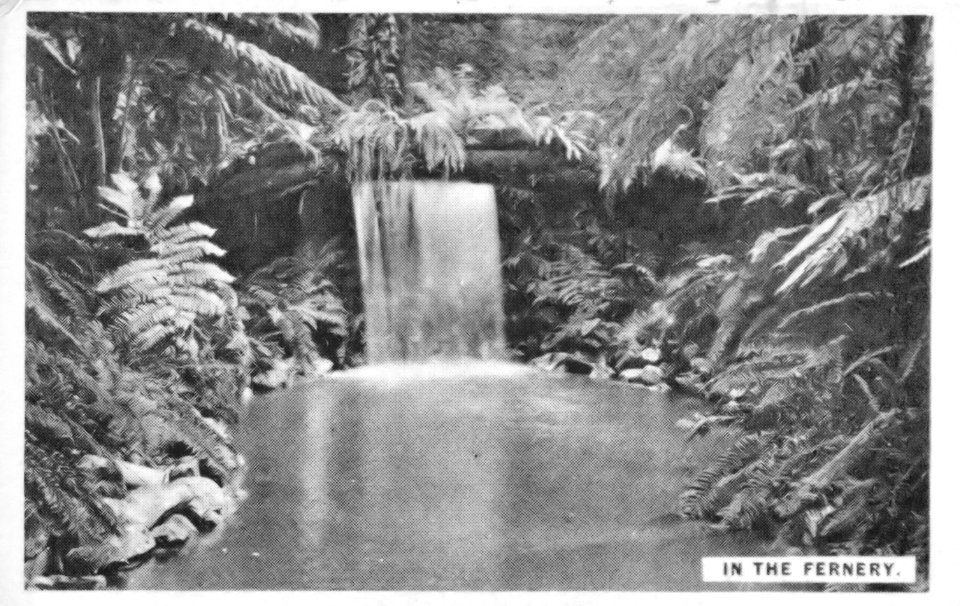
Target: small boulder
(184, 467)
(690, 383)
(174, 532)
(648, 375)
(651, 355)
(690, 351)
(601, 371)
(320, 367)
(203, 514)
(701, 366)
(278, 375)
(570, 363)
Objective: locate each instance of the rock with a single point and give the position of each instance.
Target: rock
(203, 515)
(321, 367)
(116, 552)
(650, 355)
(601, 371)
(277, 376)
(690, 383)
(184, 467)
(648, 375)
(131, 473)
(144, 506)
(564, 361)
(701, 366)
(690, 351)
(59, 581)
(174, 532)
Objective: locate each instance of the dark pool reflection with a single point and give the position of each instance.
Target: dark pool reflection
(448, 477)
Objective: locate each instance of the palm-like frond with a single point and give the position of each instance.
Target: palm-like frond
(825, 251)
(257, 64)
(163, 295)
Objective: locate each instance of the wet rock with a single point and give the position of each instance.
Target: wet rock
(651, 375)
(136, 475)
(651, 355)
(59, 581)
(174, 532)
(277, 376)
(203, 515)
(648, 375)
(184, 467)
(601, 371)
(563, 361)
(691, 383)
(701, 366)
(690, 351)
(144, 506)
(320, 367)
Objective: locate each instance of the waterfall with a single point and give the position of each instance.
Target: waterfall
(430, 268)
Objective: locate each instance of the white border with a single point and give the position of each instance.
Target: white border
(946, 338)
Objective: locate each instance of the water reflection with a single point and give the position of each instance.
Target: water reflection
(461, 481)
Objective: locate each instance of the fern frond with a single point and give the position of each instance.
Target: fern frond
(305, 33)
(822, 252)
(820, 307)
(716, 484)
(257, 64)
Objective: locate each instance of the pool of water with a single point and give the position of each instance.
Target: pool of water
(446, 477)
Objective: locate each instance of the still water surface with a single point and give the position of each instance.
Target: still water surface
(480, 477)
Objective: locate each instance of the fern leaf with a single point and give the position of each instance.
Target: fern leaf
(111, 229)
(821, 252)
(187, 231)
(258, 64)
(161, 218)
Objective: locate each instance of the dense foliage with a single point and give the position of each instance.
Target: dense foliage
(139, 345)
(804, 312)
(782, 165)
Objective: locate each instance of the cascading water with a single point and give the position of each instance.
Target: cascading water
(430, 268)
